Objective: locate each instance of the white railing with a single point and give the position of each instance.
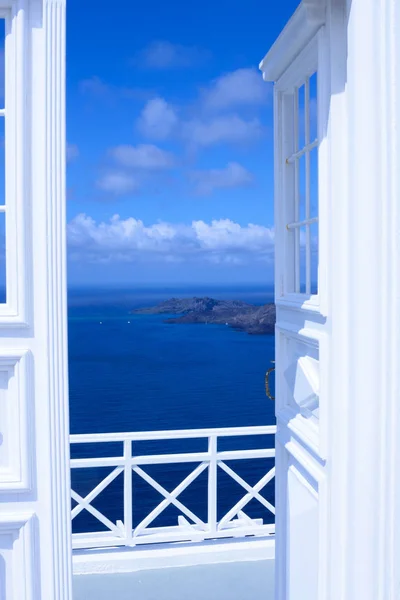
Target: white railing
(235, 523)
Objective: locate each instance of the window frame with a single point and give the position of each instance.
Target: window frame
(18, 238)
(306, 63)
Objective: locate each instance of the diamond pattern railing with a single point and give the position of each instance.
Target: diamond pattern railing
(235, 523)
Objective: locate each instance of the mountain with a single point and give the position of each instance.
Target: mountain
(246, 317)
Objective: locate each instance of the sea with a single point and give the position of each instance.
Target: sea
(136, 373)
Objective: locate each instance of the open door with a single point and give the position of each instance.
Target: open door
(337, 346)
(35, 539)
(293, 65)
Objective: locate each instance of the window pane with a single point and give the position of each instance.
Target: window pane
(2, 259)
(2, 61)
(313, 108)
(301, 121)
(2, 169)
(302, 260)
(302, 241)
(314, 183)
(302, 187)
(314, 258)
(2, 127)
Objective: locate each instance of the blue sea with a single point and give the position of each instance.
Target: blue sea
(137, 373)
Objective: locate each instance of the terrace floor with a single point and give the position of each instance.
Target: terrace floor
(220, 570)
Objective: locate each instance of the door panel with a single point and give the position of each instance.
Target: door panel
(298, 384)
(301, 357)
(15, 422)
(18, 578)
(302, 535)
(35, 539)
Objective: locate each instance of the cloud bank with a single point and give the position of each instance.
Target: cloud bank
(232, 176)
(130, 240)
(243, 87)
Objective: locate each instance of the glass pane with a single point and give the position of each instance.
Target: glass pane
(314, 182)
(301, 122)
(2, 61)
(313, 108)
(302, 260)
(302, 187)
(2, 127)
(3, 297)
(314, 258)
(2, 259)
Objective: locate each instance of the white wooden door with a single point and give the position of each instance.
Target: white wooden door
(338, 351)
(300, 296)
(35, 549)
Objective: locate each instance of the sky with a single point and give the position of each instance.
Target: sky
(170, 142)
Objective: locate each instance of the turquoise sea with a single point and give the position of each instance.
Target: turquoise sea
(137, 373)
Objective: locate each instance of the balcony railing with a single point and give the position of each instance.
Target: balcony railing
(234, 522)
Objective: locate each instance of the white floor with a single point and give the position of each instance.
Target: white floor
(235, 570)
(226, 581)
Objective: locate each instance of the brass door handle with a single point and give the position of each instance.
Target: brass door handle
(267, 388)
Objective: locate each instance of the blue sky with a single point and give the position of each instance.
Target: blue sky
(170, 158)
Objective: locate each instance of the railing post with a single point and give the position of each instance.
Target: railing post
(128, 490)
(212, 484)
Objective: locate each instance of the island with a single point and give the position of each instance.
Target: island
(250, 318)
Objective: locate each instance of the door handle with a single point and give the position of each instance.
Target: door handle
(267, 388)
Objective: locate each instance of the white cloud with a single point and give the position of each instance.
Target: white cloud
(130, 240)
(72, 152)
(133, 164)
(240, 87)
(158, 119)
(143, 156)
(101, 90)
(96, 86)
(221, 129)
(165, 55)
(117, 183)
(232, 176)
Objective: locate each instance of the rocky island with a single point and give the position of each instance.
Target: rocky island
(252, 319)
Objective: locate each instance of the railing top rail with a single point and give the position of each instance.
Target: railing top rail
(87, 438)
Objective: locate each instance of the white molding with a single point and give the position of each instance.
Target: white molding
(20, 564)
(54, 19)
(302, 66)
(303, 25)
(17, 200)
(36, 176)
(299, 302)
(18, 420)
(307, 335)
(363, 180)
(183, 554)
